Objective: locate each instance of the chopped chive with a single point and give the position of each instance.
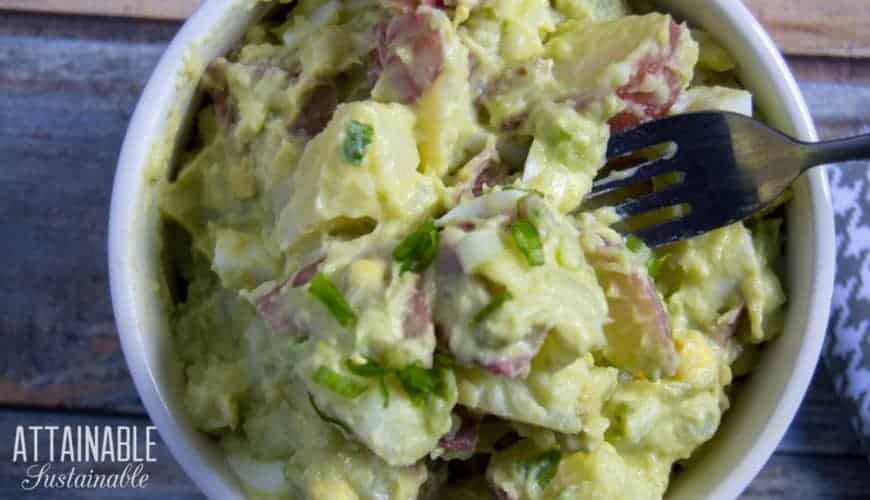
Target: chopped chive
(338, 383)
(385, 392)
(654, 265)
(371, 369)
(634, 243)
(543, 468)
(492, 307)
(418, 250)
(331, 297)
(528, 240)
(358, 136)
(419, 382)
(443, 360)
(326, 418)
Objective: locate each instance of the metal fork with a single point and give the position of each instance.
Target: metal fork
(729, 167)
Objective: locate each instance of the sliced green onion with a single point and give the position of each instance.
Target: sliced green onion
(654, 265)
(543, 468)
(418, 250)
(634, 243)
(443, 360)
(358, 136)
(385, 392)
(492, 307)
(338, 383)
(371, 369)
(331, 297)
(528, 240)
(326, 418)
(368, 368)
(419, 382)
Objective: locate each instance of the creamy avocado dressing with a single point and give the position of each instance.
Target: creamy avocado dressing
(379, 267)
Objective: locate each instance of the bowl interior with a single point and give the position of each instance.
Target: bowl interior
(762, 409)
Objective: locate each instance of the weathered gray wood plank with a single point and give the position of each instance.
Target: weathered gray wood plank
(86, 28)
(62, 118)
(166, 479)
(821, 427)
(811, 477)
(831, 69)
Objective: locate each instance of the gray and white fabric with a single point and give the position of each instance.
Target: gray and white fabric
(847, 351)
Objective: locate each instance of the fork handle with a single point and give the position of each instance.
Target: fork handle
(838, 150)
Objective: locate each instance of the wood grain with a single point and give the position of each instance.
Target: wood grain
(65, 107)
(817, 27)
(807, 477)
(154, 9)
(831, 69)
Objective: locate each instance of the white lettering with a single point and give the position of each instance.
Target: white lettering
(88, 444)
(123, 443)
(34, 473)
(34, 429)
(107, 451)
(78, 443)
(150, 443)
(92, 440)
(67, 450)
(134, 445)
(20, 448)
(51, 429)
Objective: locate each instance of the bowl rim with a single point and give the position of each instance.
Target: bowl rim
(147, 126)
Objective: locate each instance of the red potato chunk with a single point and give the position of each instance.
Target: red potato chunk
(728, 323)
(274, 310)
(639, 335)
(642, 105)
(464, 438)
(317, 111)
(418, 315)
(305, 274)
(273, 306)
(481, 171)
(410, 56)
(508, 367)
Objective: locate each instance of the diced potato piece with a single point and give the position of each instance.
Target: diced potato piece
(558, 299)
(639, 332)
(567, 151)
(593, 10)
(606, 473)
(548, 398)
(646, 61)
(667, 417)
(446, 122)
(714, 99)
(401, 431)
(711, 274)
(328, 187)
(243, 261)
(528, 471)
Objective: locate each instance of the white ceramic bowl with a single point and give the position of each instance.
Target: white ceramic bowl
(762, 409)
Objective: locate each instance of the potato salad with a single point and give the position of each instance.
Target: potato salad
(382, 283)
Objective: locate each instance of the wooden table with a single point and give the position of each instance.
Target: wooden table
(67, 88)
